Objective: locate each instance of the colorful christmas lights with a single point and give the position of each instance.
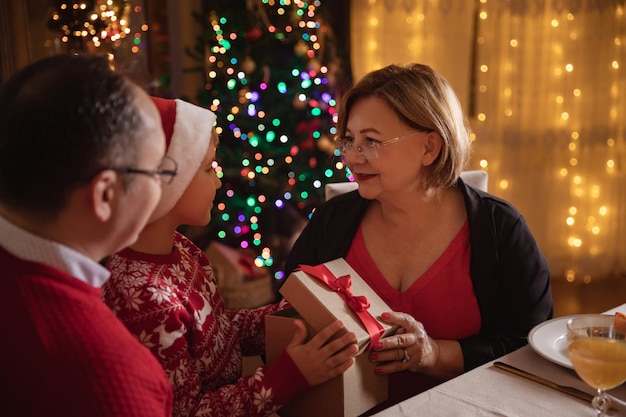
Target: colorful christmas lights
(268, 80)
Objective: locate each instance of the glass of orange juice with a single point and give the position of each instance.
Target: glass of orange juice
(597, 350)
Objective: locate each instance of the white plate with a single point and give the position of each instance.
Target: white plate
(549, 339)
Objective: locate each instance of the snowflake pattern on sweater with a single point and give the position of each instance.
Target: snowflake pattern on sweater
(171, 303)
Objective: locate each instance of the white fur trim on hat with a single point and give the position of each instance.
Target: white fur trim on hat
(188, 146)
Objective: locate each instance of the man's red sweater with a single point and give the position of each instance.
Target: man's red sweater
(64, 353)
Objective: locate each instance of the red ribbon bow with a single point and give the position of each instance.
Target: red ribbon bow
(358, 303)
(246, 263)
(342, 285)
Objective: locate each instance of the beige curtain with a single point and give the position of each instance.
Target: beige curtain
(543, 83)
(435, 33)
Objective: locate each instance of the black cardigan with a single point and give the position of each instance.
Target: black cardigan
(509, 273)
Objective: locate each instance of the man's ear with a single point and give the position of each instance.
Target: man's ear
(432, 148)
(103, 192)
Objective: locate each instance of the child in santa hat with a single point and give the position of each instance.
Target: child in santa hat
(164, 290)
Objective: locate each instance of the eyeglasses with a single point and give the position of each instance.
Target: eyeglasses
(165, 172)
(369, 147)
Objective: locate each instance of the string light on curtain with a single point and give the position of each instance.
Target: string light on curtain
(543, 83)
(436, 33)
(548, 125)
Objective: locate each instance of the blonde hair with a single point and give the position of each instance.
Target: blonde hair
(423, 99)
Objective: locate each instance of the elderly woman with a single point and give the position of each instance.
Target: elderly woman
(459, 267)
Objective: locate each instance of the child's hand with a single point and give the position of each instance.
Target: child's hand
(317, 360)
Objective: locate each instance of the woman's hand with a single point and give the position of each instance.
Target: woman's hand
(410, 348)
(318, 360)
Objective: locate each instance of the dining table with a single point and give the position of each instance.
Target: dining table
(491, 391)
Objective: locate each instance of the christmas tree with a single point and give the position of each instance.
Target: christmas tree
(272, 77)
(87, 24)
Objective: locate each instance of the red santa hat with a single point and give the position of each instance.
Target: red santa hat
(188, 131)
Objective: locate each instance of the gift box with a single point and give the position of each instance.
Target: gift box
(241, 283)
(320, 295)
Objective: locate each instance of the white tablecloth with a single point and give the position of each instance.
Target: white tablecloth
(490, 391)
